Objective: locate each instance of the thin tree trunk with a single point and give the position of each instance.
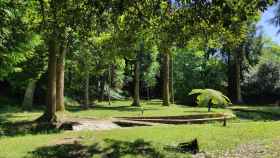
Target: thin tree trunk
(209, 105)
(87, 90)
(148, 93)
(113, 76)
(69, 76)
(136, 95)
(109, 85)
(166, 66)
(29, 94)
(171, 80)
(60, 78)
(101, 90)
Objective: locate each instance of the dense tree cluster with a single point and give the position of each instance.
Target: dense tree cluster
(101, 50)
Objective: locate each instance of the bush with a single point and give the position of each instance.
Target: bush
(263, 83)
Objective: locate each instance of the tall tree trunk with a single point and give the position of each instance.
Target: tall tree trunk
(50, 113)
(29, 94)
(234, 76)
(166, 66)
(113, 76)
(238, 62)
(109, 85)
(101, 88)
(231, 81)
(171, 80)
(86, 101)
(60, 78)
(136, 94)
(148, 93)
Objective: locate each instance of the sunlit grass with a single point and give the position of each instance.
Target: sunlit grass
(151, 108)
(211, 137)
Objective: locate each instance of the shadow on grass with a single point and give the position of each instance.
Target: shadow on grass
(26, 127)
(113, 149)
(109, 108)
(256, 115)
(9, 128)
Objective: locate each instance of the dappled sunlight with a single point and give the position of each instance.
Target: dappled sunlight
(139, 79)
(112, 148)
(149, 108)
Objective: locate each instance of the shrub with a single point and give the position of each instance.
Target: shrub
(263, 82)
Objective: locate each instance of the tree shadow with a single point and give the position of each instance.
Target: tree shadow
(113, 149)
(23, 127)
(63, 151)
(26, 127)
(139, 147)
(256, 115)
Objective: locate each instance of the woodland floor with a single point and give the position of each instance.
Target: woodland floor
(253, 134)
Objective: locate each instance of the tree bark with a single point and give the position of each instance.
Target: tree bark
(148, 93)
(60, 78)
(166, 66)
(171, 80)
(109, 84)
(29, 94)
(231, 81)
(238, 62)
(234, 76)
(101, 88)
(50, 113)
(136, 94)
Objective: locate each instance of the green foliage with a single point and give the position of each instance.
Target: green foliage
(103, 34)
(210, 96)
(22, 52)
(261, 81)
(192, 70)
(17, 40)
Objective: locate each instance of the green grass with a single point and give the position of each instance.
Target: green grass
(211, 137)
(152, 108)
(104, 111)
(257, 113)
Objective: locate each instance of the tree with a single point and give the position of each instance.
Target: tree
(234, 20)
(60, 76)
(58, 19)
(206, 97)
(276, 19)
(261, 80)
(134, 38)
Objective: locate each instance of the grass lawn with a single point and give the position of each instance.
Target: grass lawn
(211, 137)
(136, 141)
(151, 108)
(116, 109)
